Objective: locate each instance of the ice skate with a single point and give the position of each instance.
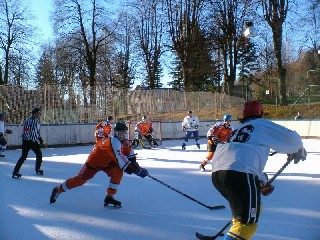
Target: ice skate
(2, 153)
(39, 172)
(134, 143)
(198, 145)
(54, 195)
(110, 200)
(154, 144)
(16, 175)
(183, 146)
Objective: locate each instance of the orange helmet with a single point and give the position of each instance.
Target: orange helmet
(252, 108)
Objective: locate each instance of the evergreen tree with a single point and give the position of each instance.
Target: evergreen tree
(45, 70)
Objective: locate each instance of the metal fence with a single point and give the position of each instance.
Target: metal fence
(65, 104)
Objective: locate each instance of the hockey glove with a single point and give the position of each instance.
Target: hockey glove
(266, 188)
(99, 133)
(196, 126)
(133, 167)
(214, 140)
(300, 155)
(142, 172)
(132, 159)
(1, 134)
(8, 131)
(183, 128)
(40, 140)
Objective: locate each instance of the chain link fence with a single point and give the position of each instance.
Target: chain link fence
(65, 104)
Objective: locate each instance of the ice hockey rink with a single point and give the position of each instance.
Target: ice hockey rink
(151, 210)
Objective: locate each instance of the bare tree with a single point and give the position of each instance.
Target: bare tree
(149, 24)
(189, 42)
(16, 33)
(87, 24)
(123, 72)
(227, 20)
(314, 11)
(275, 13)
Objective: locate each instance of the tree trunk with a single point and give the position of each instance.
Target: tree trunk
(6, 67)
(277, 41)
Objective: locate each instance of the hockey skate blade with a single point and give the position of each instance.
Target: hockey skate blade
(110, 205)
(16, 177)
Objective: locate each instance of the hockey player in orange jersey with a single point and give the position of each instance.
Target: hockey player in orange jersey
(103, 130)
(113, 156)
(144, 128)
(218, 133)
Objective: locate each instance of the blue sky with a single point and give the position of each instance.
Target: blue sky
(41, 9)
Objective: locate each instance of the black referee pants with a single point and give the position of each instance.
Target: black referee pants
(26, 147)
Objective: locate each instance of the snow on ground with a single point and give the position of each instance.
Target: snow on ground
(150, 210)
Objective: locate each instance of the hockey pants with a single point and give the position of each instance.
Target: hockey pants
(188, 136)
(87, 172)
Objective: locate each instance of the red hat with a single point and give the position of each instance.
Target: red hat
(252, 108)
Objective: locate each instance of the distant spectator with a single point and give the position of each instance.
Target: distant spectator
(298, 117)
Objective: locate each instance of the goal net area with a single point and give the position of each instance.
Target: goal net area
(157, 131)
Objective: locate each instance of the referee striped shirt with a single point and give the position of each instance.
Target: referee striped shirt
(31, 130)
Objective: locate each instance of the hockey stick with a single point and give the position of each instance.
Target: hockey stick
(220, 233)
(185, 195)
(273, 153)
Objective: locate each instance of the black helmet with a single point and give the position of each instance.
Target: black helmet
(35, 110)
(144, 117)
(109, 118)
(120, 126)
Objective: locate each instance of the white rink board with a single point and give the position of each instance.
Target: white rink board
(68, 134)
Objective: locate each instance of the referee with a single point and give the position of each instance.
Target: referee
(31, 139)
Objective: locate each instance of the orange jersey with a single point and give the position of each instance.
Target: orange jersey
(144, 127)
(221, 131)
(109, 153)
(103, 129)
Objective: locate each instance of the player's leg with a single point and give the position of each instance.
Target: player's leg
(26, 146)
(115, 173)
(196, 137)
(86, 172)
(187, 137)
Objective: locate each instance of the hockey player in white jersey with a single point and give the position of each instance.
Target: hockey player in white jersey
(3, 131)
(190, 124)
(237, 166)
